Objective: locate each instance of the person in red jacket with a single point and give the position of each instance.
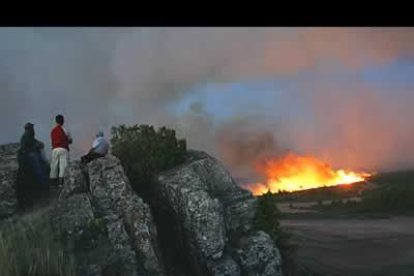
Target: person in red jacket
(61, 140)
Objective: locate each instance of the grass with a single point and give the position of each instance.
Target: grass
(28, 247)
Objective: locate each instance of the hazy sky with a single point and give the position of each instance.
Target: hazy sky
(341, 94)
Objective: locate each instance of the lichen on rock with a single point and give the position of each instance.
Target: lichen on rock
(213, 215)
(204, 215)
(131, 239)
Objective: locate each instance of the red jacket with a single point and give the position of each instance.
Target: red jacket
(59, 138)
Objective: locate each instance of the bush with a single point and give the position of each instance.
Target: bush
(28, 247)
(394, 193)
(267, 219)
(390, 199)
(145, 152)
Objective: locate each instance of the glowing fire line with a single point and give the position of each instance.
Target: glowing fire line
(292, 173)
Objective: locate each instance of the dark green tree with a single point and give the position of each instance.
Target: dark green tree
(267, 219)
(145, 152)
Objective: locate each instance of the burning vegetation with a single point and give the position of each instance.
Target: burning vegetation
(292, 173)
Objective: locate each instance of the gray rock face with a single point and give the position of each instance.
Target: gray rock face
(111, 229)
(73, 215)
(202, 213)
(75, 180)
(225, 266)
(257, 255)
(212, 213)
(113, 195)
(8, 172)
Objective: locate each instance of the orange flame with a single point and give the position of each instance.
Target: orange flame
(292, 173)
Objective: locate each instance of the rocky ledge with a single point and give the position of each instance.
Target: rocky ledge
(195, 220)
(110, 229)
(210, 219)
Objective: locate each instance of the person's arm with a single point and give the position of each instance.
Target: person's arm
(38, 144)
(52, 138)
(69, 137)
(27, 142)
(95, 144)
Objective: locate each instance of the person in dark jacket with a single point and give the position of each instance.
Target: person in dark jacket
(30, 156)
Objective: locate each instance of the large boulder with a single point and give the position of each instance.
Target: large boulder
(257, 255)
(112, 193)
(211, 217)
(8, 173)
(202, 220)
(109, 228)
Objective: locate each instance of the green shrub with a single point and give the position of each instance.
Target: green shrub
(145, 151)
(390, 199)
(394, 193)
(28, 247)
(267, 219)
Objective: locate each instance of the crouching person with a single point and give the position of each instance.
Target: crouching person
(99, 149)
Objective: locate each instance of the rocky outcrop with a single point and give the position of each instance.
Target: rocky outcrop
(212, 220)
(257, 255)
(8, 172)
(195, 221)
(109, 228)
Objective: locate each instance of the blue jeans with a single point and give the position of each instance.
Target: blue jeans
(35, 161)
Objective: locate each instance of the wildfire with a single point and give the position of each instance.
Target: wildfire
(292, 173)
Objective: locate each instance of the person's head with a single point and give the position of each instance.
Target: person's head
(60, 120)
(29, 127)
(99, 134)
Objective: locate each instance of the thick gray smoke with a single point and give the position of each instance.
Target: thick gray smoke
(103, 77)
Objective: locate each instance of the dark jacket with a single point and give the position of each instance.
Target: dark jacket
(28, 144)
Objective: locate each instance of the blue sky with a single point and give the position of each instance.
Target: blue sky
(399, 73)
(275, 97)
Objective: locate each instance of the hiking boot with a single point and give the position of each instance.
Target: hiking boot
(54, 183)
(61, 181)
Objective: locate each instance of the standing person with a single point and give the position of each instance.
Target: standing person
(30, 154)
(61, 140)
(32, 178)
(99, 149)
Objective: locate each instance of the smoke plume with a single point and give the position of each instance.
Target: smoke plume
(100, 77)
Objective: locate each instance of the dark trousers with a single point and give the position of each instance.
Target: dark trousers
(32, 181)
(90, 157)
(36, 163)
